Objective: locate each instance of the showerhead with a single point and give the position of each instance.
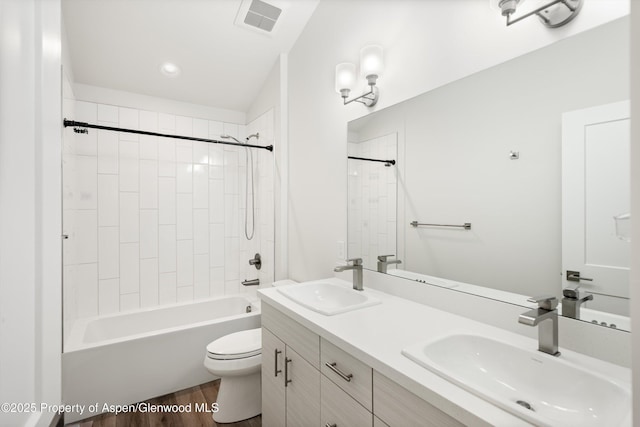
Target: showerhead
(255, 135)
(230, 137)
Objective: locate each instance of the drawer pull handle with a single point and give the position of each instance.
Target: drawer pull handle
(276, 371)
(331, 425)
(286, 371)
(332, 366)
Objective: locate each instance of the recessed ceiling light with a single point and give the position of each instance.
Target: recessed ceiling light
(170, 69)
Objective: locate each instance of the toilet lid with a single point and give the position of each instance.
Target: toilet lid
(237, 345)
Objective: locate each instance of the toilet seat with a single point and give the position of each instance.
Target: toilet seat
(239, 345)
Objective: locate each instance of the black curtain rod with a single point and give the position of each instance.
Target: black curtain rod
(386, 162)
(75, 124)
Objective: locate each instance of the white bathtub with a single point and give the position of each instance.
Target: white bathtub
(130, 357)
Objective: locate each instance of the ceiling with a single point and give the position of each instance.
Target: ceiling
(120, 44)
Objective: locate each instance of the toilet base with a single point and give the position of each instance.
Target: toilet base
(239, 398)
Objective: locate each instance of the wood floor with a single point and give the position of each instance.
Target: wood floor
(203, 394)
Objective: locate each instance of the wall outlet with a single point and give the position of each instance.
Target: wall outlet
(340, 246)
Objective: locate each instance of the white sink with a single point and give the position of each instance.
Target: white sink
(328, 298)
(557, 392)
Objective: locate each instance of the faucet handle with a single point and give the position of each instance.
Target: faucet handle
(355, 261)
(547, 302)
(572, 291)
(383, 258)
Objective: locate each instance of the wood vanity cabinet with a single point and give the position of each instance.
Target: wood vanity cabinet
(290, 375)
(308, 381)
(397, 406)
(346, 388)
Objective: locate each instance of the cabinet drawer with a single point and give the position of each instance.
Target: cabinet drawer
(297, 337)
(339, 409)
(347, 372)
(398, 407)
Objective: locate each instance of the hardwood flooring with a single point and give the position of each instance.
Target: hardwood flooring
(203, 394)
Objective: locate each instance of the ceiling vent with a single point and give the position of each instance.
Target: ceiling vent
(260, 15)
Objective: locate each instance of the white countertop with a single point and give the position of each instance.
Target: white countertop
(376, 335)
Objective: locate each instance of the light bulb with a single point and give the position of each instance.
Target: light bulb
(345, 77)
(371, 61)
(170, 69)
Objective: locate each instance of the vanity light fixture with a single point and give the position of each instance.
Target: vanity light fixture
(553, 14)
(371, 67)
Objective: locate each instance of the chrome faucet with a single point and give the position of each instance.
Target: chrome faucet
(383, 262)
(546, 318)
(572, 301)
(357, 272)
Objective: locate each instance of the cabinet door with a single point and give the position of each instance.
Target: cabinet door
(303, 391)
(398, 407)
(273, 391)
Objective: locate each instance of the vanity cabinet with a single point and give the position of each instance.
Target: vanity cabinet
(339, 409)
(397, 406)
(346, 388)
(290, 375)
(347, 372)
(308, 381)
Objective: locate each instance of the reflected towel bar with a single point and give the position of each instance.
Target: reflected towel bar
(466, 225)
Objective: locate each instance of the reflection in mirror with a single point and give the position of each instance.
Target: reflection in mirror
(372, 199)
(487, 150)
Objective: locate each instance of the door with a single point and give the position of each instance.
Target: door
(595, 189)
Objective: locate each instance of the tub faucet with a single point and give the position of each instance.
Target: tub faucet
(546, 318)
(357, 272)
(383, 262)
(572, 301)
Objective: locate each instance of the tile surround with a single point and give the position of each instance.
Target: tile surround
(153, 220)
(372, 200)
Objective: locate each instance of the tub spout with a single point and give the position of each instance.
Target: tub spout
(252, 282)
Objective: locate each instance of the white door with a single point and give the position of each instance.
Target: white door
(595, 189)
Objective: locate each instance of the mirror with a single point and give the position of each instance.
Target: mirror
(372, 181)
(486, 151)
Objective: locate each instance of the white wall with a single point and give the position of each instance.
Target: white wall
(269, 96)
(30, 256)
(635, 207)
(151, 103)
(427, 44)
(154, 220)
(272, 97)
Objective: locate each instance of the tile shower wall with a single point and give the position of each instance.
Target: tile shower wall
(372, 200)
(154, 220)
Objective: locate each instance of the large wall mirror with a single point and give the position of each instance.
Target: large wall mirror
(474, 199)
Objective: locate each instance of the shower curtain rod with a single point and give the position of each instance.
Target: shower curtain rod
(386, 162)
(77, 125)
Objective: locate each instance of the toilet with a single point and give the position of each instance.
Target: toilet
(236, 358)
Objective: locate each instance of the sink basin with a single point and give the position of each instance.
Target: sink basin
(328, 298)
(542, 389)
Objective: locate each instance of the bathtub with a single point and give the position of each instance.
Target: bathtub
(131, 357)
